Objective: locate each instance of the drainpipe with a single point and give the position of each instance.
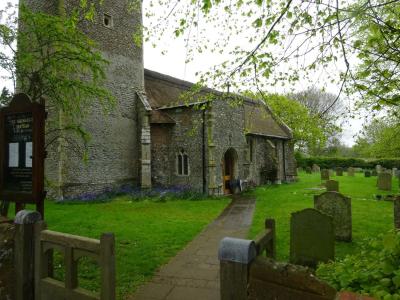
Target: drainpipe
(284, 159)
(204, 153)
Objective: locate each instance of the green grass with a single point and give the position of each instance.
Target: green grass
(370, 217)
(147, 233)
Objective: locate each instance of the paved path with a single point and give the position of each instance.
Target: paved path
(194, 273)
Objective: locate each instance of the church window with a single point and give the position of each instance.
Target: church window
(108, 21)
(183, 163)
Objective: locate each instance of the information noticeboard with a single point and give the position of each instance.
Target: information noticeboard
(22, 151)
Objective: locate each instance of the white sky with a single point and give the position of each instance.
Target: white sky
(173, 63)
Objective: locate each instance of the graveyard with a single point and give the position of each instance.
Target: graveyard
(149, 232)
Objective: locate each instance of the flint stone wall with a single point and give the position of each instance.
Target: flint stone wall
(7, 276)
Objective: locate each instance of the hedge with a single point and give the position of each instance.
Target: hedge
(333, 162)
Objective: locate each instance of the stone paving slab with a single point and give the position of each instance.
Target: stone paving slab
(194, 272)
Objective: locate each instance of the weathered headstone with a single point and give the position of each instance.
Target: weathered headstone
(332, 186)
(308, 170)
(339, 171)
(378, 168)
(339, 207)
(374, 173)
(385, 181)
(394, 172)
(350, 171)
(324, 174)
(367, 174)
(316, 168)
(312, 237)
(331, 173)
(396, 213)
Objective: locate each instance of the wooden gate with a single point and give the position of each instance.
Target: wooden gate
(73, 247)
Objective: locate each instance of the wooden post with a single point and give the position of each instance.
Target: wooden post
(271, 247)
(107, 265)
(24, 253)
(41, 259)
(235, 257)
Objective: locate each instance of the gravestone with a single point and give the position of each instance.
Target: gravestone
(396, 212)
(332, 186)
(374, 173)
(350, 171)
(339, 171)
(367, 174)
(316, 168)
(308, 170)
(384, 181)
(324, 174)
(331, 173)
(394, 172)
(378, 168)
(312, 237)
(339, 207)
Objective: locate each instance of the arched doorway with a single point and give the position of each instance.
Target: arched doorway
(229, 170)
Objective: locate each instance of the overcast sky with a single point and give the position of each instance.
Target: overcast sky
(172, 63)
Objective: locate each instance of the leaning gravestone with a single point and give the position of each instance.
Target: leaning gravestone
(324, 174)
(308, 170)
(339, 207)
(339, 171)
(396, 212)
(312, 237)
(367, 174)
(316, 168)
(332, 186)
(350, 171)
(385, 181)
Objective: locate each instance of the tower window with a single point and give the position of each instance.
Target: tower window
(108, 21)
(183, 163)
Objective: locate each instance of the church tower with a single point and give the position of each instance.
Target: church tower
(115, 144)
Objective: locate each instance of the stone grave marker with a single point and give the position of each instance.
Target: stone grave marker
(339, 171)
(332, 186)
(374, 173)
(396, 212)
(312, 237)
(308, 170)
(378, 168)
(385, 181)
(339, 207)
(350, 171)
(324, 174)
(331, 173)
(316, 168)
(367, 174)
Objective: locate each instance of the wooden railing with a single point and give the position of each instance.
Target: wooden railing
(73, 247)
(266, 241)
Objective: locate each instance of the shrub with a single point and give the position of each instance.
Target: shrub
(334, 162)
(373, 271)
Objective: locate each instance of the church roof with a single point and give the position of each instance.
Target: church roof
(165, 92)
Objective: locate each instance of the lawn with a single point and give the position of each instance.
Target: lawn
(370, 217)
(147, 233)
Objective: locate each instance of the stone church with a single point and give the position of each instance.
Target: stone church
(156, 138)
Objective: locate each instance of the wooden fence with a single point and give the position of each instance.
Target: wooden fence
(33, 255)
(245, 274)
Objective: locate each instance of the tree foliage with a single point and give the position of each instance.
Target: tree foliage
(55, 63)
(353, 44)
(310, 131)
(379, 138)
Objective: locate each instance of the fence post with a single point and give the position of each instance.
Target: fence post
(235, 256)
(24, 253)
(107, 265)
(271, 247)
